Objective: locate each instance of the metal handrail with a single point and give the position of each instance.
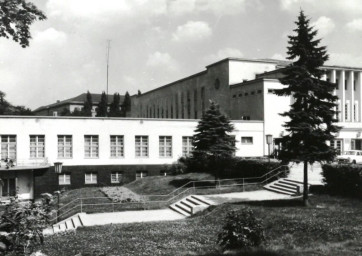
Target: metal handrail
(193, 187)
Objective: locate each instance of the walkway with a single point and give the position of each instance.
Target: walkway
(315, 176)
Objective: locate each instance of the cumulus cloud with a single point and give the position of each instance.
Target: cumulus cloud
(324, 25)
(217, 7)
(50, 35)
(355, 25)
(345, 59)
(159, 59)
(192, 31)
(278, 56)
(224, 53)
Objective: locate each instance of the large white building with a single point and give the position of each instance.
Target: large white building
(98, 151)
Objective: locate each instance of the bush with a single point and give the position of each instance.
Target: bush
(241, 230)
(343, 179)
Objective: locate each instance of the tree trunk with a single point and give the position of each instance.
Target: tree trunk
(305, 184)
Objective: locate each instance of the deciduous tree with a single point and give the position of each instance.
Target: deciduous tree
(311, 117)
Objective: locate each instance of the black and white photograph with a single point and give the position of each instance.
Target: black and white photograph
(180, 127)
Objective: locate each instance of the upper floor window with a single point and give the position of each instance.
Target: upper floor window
(37, 146)
(187, 146)
(91, 146)
(141, 146)
(117, 146)
(8, 147)
(65, 147)
(165, 146)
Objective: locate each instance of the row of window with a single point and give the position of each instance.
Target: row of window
(92, 177)
(347, 116)
(247, 93)
(91, 146)
(345, 84)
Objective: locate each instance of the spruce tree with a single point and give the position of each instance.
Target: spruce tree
(102, 106)
(212, 141)
(88, 104)
(311, 116)
(126, 105)
(114, 110)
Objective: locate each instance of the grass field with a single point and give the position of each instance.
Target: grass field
(330, 226)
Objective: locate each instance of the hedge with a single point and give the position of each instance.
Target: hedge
(343, 179)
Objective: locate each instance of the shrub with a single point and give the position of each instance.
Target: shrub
(343, 179)
(241, 230)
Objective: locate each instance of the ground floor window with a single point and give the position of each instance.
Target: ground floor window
(91, 178)
(8, 186)
(356, 144)
(337, 144)
(247, 140)
(141, 174)
(116, 177)
(163, 173)
(64, 179)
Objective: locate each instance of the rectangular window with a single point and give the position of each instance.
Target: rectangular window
(141, 174)
(187, 146)
(165, 146)
(354, 84)
(65, 146)
(346, 112)
(188, 104)
(203, 99)
(90, 178)
(355, 111)
(117, 146)
(64, 179)
(141, 146)
(247, 140)
(337, 83)
(338, 145)
(116, 177)
(246, 94)
(234, 96)
(259, 91)
(252, 93)
(8, 147)
(91, 146)
(195, 104)
(37, 146)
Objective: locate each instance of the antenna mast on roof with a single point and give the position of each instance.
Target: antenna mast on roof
(108, 47)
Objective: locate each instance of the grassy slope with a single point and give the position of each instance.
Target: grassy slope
(331, 226)
(160, 185)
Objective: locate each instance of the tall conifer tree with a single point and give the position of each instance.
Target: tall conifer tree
(102, 106)
(115, 110)
(212, 140)
(88, 104)
(126, 105)
(311, 117)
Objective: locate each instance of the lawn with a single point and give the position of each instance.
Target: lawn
(330, 226)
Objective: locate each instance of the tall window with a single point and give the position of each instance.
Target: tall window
(142, 146)
(195, 103)
(37, 146)
(337, 144)
(186, 145)
(188, 104)
(65, 147)
(116, 177)
(91, 146)
(182, 106)
(64, 179)
(8, 147)
(176, 105)
(165, 146)
(117, 146)
(90, 178)
(203, 99)
(337, 83)
(345, 84)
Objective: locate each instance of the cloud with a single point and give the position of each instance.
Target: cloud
(355, 25)
(159, 59)
(224, 53)
(345, 59)
(192, 31)
(217, 7)
(324, 25)
(50, 35)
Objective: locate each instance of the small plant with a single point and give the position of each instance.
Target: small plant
(241, 230)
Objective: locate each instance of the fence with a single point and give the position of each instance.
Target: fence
(105, 204)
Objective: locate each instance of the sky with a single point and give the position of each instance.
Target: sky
(155, 42)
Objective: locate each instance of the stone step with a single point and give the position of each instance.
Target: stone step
(69, 224)
(77, 221)
(279, 191)
(179, 210)
(287, 185)
(202, 200)
(276, 186)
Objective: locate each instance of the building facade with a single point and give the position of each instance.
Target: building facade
(98, 151)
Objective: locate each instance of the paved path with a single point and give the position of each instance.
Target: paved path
(130, 217)
(315, 176)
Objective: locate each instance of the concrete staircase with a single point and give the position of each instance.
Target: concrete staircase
(191, 205)
(286, 186)
(71, 223)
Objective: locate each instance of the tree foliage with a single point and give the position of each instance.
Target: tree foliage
(126, 105)
(213, 144)
(311, 117)
(8, 109)
(102, 106)
(16, 16)
(88, 105)
(115, 107)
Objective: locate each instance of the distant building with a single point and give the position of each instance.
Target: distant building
(71, 104)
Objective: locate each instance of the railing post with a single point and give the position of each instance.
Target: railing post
(81, 205)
